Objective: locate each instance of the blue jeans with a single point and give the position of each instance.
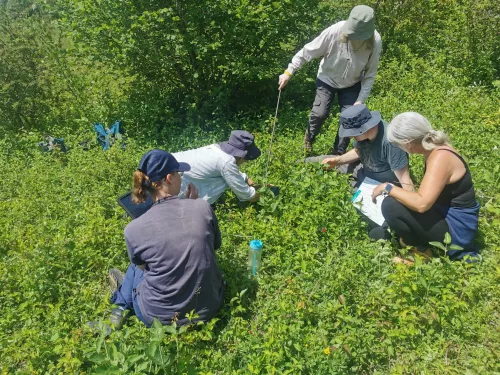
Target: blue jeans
(126, 295)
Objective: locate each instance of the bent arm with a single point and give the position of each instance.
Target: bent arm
(349, 157)
(370, 70)
(236, 182)
(403, 175)
(436, 176)
(134, 258)
(312, 50)
(215, 226)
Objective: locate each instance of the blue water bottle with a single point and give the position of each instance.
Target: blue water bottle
(254, 255)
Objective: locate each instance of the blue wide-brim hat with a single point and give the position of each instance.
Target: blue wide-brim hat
(241, 144)
(357, 120)
(157, 164)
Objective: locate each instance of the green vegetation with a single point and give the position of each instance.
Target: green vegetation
(328, 300)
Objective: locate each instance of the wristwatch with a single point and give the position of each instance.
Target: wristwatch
(387, 189)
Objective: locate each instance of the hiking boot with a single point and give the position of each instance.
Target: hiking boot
(308, 147)
(115, 279)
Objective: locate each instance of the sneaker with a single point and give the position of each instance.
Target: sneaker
(115, 278)
(308, 148)
(117, 318)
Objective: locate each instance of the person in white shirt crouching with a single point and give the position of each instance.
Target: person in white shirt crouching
(215, 168)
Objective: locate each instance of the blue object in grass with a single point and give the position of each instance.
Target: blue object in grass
(254, 256)
(106, 137)
(356, 194)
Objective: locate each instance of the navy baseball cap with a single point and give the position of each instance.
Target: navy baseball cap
(156, 164)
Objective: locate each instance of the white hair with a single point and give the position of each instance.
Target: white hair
(412, 127)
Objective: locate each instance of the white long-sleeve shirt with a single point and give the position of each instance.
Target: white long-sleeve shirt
(212, 172)
(342, 65)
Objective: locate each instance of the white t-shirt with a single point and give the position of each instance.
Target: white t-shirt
(212, 172)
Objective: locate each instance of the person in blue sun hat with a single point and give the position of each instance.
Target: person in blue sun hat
(216, 168)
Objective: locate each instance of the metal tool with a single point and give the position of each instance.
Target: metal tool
(272, 137)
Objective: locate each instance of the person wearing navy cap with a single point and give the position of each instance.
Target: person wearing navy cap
(173, 269)
(215, 168)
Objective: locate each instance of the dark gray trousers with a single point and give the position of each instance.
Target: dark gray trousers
(321, 110)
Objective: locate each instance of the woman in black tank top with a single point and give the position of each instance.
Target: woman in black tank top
(460, 193)
(445, 201)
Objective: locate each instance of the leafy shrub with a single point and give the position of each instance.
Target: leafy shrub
(328, 301)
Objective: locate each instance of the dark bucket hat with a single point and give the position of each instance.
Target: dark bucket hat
(361, 23)
(241, 143)
(357, 120)
(156, 164)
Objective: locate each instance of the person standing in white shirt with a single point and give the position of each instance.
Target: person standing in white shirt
(350, 52)
(215, 168)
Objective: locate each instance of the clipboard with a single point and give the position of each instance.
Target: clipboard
(132, 209)
(362, 200)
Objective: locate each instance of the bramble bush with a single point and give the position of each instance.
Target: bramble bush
(327, 301)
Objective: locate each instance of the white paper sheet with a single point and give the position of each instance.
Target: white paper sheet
(362, 200)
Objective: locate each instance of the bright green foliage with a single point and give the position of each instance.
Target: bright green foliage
(181, 53)
(160, 65)
(328, 300)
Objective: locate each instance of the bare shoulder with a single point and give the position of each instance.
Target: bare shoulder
(438, 155)
(446, 162)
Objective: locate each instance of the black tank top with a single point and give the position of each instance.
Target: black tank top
(460, 193)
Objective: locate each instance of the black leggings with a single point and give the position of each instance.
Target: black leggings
(416, 229)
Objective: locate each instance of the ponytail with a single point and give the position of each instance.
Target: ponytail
(435, 138)
(140, 186)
